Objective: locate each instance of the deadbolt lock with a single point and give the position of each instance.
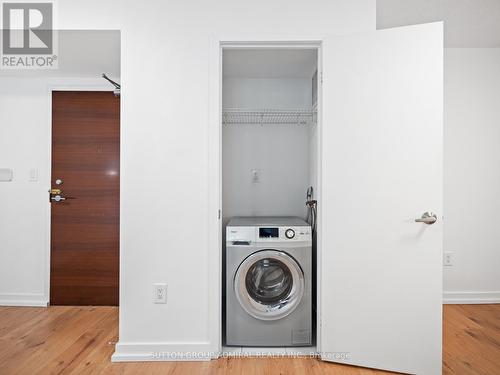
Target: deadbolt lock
(55, 191)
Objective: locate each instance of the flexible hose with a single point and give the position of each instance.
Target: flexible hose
(311, 209)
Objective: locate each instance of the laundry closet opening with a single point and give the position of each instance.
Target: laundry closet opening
(270, 163)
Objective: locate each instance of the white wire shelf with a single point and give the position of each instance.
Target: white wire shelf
(238, 116)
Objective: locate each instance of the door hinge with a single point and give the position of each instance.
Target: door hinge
(321, 76)
(219, 214)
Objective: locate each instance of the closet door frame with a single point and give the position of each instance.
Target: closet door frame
(217, 45)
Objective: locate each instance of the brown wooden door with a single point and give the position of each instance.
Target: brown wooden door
(85, 226)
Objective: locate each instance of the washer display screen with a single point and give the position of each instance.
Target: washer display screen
(268, 233)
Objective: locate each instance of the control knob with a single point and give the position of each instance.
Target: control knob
(289, 233)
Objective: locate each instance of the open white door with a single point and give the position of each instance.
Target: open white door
(381, 272)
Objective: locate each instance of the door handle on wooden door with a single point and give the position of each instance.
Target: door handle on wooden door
(55, 195)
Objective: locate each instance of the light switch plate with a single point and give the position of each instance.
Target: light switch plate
(6, 174)
(448, 259)
(33, 175)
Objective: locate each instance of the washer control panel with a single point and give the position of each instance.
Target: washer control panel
(284, 233)
(268, 234)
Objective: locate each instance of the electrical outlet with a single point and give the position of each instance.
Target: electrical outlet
(448, 258)
(255, 176)
(159, 293)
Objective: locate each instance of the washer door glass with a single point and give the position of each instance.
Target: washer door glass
(269, 281)
(269, 284)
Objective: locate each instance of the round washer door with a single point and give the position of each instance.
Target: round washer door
(269, 284)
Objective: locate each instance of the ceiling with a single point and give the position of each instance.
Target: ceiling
(81, 53)
(269, 63)
(468, 23)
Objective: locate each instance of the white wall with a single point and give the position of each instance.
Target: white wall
(165, 130)
(472, 174)
(24, 144)
(164, 151)
(281, 153)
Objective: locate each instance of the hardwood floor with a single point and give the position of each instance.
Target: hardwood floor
(80, 340)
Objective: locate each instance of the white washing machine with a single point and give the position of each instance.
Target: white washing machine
(268, 282)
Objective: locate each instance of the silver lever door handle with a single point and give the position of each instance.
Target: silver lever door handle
(427, 218)
(57, 198)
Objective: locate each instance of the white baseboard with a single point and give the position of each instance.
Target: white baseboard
(471, 297)
(23, 299)
(143, 351)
